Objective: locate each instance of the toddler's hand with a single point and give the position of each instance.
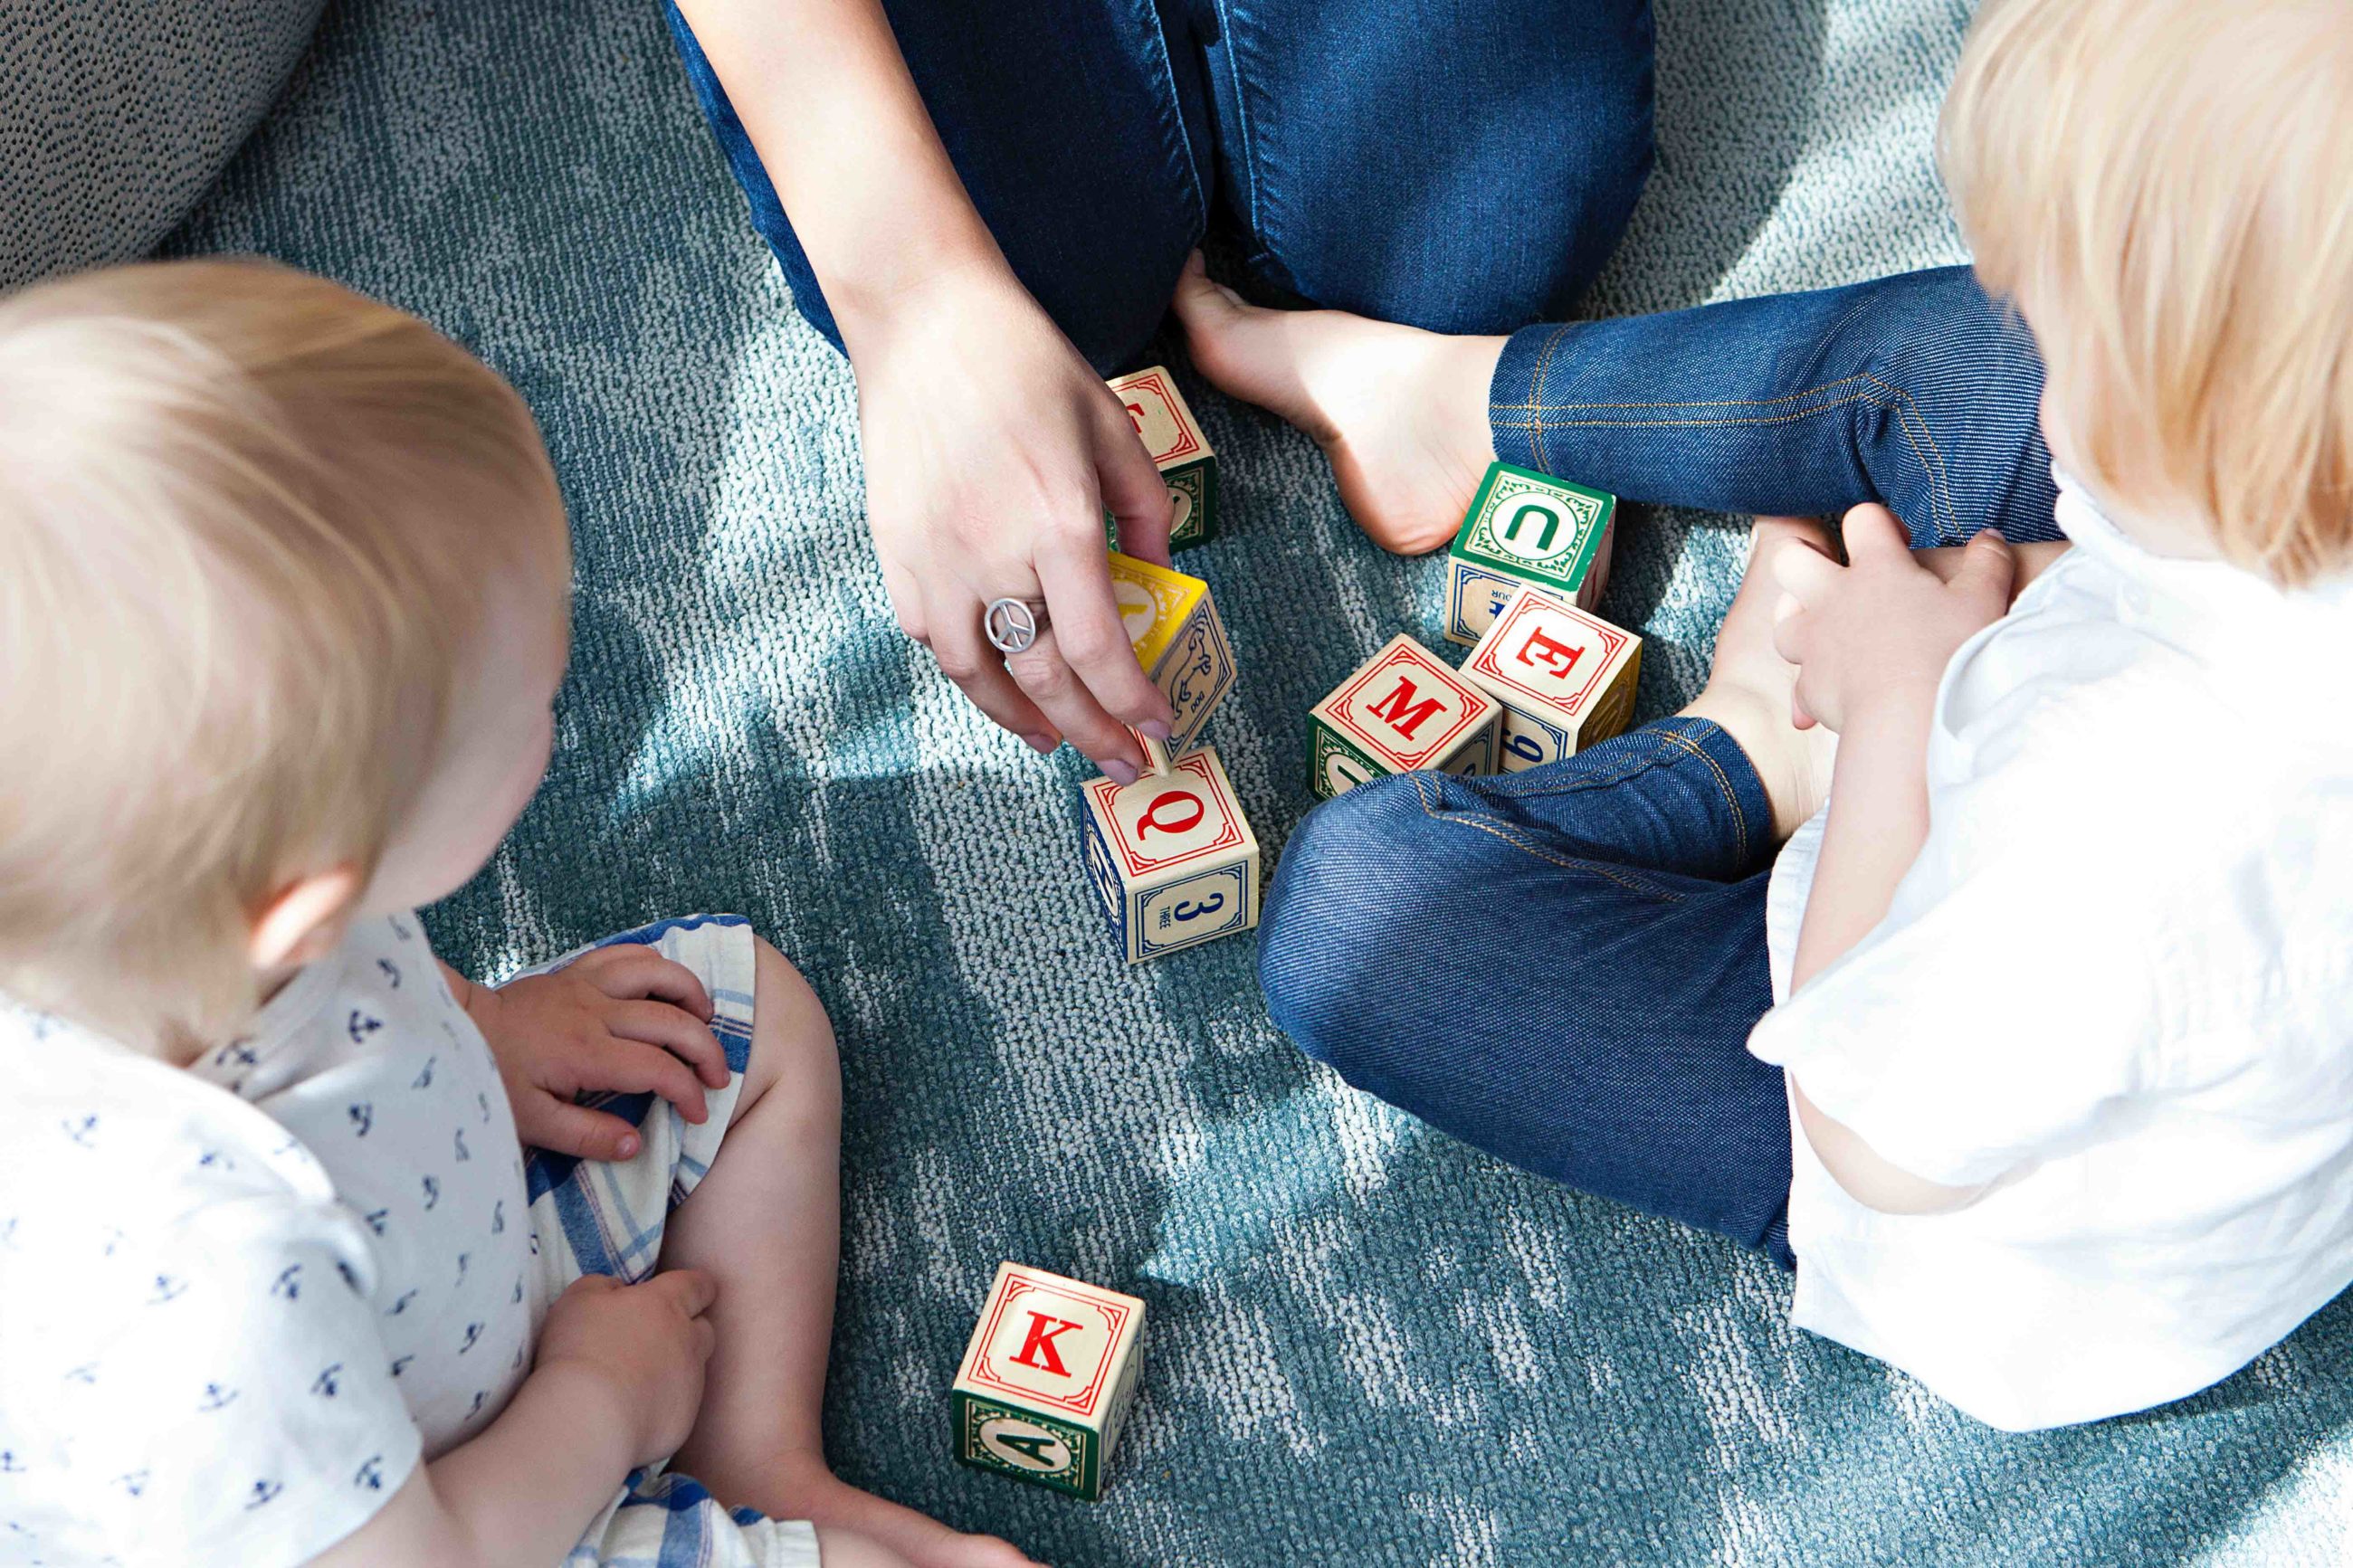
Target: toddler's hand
(649, 1343)
(622, 1018)
(1873, 637)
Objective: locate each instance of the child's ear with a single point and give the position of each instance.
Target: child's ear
(304, 920)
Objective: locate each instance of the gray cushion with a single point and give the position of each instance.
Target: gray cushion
(117, 115)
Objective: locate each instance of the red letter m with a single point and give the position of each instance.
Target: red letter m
(1404, 714)
(1041, 1342)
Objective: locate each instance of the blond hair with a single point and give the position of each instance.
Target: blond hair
(2166, 187)
(247, 518)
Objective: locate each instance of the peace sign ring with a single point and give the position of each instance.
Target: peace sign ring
(1011, 626)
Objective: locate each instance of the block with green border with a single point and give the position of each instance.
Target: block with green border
(1164, 424)
(1403, 709)
(1047, 1380)
(1526, 528)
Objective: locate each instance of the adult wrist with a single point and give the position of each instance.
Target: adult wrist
(872, 304)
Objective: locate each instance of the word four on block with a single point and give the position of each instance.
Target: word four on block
(1048, 1378)
(1164, 424)
(1403, 709)
(1172, 623)
(1525, 528)
(1564, 679)
(1171, 857)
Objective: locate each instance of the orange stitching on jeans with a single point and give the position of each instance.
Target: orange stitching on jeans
(1696, 402)
(1588, 866)
(1723, 782)
(1939, 491)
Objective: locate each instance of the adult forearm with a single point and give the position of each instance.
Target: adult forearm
(825, 97)
(1878, 820)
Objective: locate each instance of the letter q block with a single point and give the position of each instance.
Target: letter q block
(1048, 1378)
(1525, 528)
(1173, 436)
(1566, 679)
(1403, 709)
(1173, 624)
(1171, 857)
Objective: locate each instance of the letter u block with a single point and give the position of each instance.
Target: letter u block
(1048, 1378)
(1164, 424)
(1173, 624)
(1525, 528)
(1403, 709)
(1566, 679)
(1171, 857)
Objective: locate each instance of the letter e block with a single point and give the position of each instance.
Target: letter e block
(1171, 857)
(1048, 1378)
(1403, 709)
(1566, 679)
(1166, 424)
(1525, 528)
(1173, 624)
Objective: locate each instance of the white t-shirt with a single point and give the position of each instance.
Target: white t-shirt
(2121, 974)
(236, 1301)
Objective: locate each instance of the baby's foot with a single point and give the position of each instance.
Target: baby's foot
(824, 1499)
(1750, 685)
(1401, 413)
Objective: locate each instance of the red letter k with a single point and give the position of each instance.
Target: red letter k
(1041, 1342)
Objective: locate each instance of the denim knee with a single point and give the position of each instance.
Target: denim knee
(1357, 882)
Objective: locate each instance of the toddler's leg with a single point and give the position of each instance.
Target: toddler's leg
(1915, 391)
(767, 1222)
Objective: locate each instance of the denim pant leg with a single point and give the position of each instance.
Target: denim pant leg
(1561, 966)
(1916, 390)
(1463, 166)
(1074, 125)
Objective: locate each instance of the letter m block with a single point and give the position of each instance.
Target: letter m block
(1403, 709)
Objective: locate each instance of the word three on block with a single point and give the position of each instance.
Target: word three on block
(1171, 856)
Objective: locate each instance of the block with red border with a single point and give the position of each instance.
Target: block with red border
(1525, 528)
(1173, 624)
(1566, 679)
(1164, 424)
(1171, 857)
(1048, 1378)
(1403, 709)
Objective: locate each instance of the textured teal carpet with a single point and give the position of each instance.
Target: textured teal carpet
(1370, 1346)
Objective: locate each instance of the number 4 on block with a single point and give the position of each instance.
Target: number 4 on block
(1171, 857)
(1403, 709)
(1048, 1378)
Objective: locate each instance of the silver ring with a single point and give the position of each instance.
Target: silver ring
(1011, 626)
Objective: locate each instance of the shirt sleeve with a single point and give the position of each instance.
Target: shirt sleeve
(2008, 1003)
(219, 1390)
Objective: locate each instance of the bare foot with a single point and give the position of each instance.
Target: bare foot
(1401, 413)
(826, 1499)
(1749, 687)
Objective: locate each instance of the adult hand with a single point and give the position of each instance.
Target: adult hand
(649, 1343)
(992, 451)
(1873, 636)
(621, 1018)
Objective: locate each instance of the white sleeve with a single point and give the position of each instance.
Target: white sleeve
(212, 1390)
(2007, 1005)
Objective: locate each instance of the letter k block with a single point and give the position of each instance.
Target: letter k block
(1048, 1378)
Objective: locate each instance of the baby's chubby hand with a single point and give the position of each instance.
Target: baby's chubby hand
(1871, 639)
(647, 1345)
(621, 1018)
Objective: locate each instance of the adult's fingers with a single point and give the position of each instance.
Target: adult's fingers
(679, 1033)
(628, 1067)
(1075, 575)
(1132, 490)
(1050, 682)
(1871, 530)
(967, 658)
(627, 971)
(560, 1127)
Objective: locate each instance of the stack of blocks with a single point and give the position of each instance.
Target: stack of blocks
(1544, 677)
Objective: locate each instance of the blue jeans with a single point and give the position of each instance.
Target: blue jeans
(1561, 966)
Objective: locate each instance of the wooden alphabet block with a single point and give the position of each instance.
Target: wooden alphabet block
(1048, 1378)
(1403, 709)
(1565, 678)
(1173, 624)
(1173, 436)
(1171, 856)
(1526, 527)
